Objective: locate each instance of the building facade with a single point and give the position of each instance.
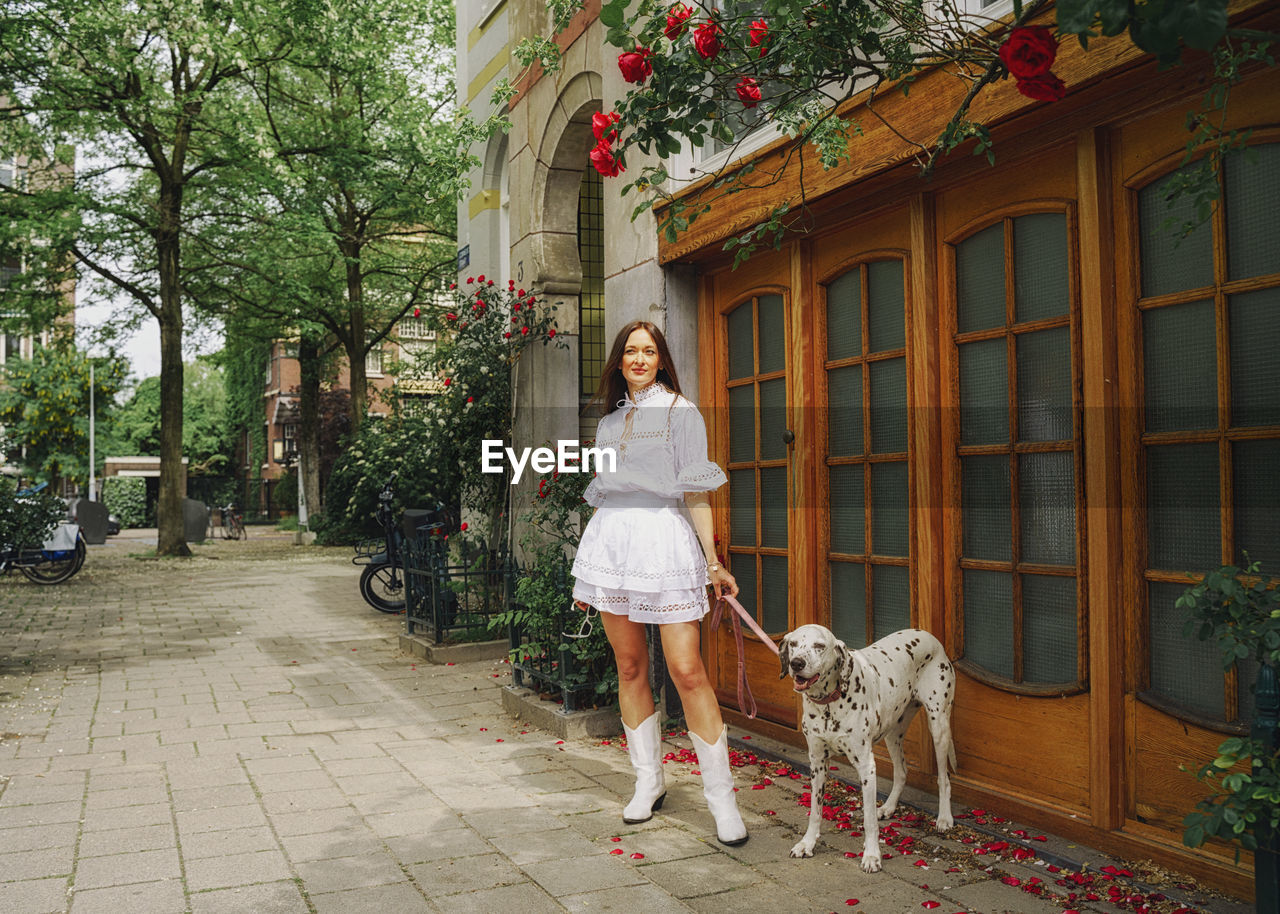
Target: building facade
(1003, 405)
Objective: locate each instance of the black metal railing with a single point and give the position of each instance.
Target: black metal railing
(451, 598)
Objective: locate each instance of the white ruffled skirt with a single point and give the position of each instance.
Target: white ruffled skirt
(640, 558)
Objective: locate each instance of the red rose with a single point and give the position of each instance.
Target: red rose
(470, 280)
(675, 21)
(524, 331)
(417, 312)
(604, 162)
(453, 285)
(464, 526)
(748, 91)
(507, 335)
(760, 36)
(515, 307)
(480, 278)
(551, 333)
(520, 294)
(602, 127)
(706, 40)
(635, 65)
(1045, 88)
(469, 400)
(1029, 51)
(451, 316)
(448, 381)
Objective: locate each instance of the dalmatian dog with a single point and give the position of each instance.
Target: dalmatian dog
(851, 699)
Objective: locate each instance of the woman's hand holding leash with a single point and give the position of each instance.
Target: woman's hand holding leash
(721, 580)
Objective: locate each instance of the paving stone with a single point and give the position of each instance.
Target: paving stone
(464, 874)
(647, 898)
(37, 836)
(193, 798)
(39, 814)
(705, 875)
(140, 898)
(37, 864)
(227, 841)
(584, 874)
(236, 869)
(312, 821)
(752, 900)
(491, 822)
(34, 896)
(125, 796)
(526, 898)
(127, 868)
(330, 845)
(557, 844)
(202, 820)
(350, 872)
(401, 898)
(268, 898)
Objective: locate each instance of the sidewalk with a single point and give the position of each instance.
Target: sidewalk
(238, 732)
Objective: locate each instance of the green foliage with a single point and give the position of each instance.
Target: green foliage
(27, 520)
(126, 498)
(284, 494)
(543, 610)
(1239, 610)
(816, 56)
(44, 409)
(206, 433)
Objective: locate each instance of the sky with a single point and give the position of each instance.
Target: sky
(141, 346)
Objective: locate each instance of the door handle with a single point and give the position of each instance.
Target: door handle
(788, 436)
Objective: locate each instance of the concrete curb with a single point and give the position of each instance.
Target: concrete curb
(452, 653)
(524, 704)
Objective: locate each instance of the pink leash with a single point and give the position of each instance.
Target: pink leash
(738, 615)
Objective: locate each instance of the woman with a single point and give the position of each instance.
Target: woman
(641, 562)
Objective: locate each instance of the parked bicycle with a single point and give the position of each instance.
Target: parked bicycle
(233, 523)
(53, 562)
(382, 581)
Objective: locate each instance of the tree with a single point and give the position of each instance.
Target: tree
(44, 410)
(148, 92)
(206, 433)
(712, 72)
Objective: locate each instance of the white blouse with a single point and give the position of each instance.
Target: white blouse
(660, 441)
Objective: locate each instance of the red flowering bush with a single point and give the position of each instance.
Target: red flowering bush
(1045, 88)
(749, 91)
(760, 36)
(706, 40)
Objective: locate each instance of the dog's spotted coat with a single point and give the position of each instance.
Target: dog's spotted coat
(852, 699)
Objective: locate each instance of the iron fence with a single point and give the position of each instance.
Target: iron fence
(451, 600)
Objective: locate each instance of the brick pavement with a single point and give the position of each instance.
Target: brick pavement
(239, 733)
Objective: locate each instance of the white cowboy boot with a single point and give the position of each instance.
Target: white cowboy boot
(717, 787)
(644, 745)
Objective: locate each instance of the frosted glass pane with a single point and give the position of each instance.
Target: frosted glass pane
(742, 423)
(980, 280)
(849, 603)
(773, 418)
(988, 620)
(1040, 266)
(773, 334)
(742, 357)
(886, 306)
(844, 411)
(1186, 671)
(1257, 502)
(742, 507)
(1183, 513)
(773, 506)
(844, 316)
(1044, 386)
(773, 591)
(848, 517)
(1253, 199)
(888, 406)
(891, 599)
(1169, 263)
(986, 507)
(743, 569)
(1047, 508)
(1181, 367)
(1050, 642)
(984, 392)
(889, 508)
(1255, 357)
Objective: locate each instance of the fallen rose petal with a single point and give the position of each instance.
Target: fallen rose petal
(851, 901)
(637, 856)
(931, 904)
(616, 851)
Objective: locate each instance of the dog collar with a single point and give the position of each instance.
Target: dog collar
(830, 698)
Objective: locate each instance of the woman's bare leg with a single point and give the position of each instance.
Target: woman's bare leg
(631, 652)
(680, 646)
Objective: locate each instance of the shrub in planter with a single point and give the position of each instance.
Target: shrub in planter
(27, 520)
(126, 498)
(542, 610)
(1238, 609)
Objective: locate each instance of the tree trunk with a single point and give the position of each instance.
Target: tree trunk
(309, 423)
(172, 536)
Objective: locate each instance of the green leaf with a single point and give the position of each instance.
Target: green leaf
(614, 14)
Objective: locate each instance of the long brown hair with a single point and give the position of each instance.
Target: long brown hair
(613, 386)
